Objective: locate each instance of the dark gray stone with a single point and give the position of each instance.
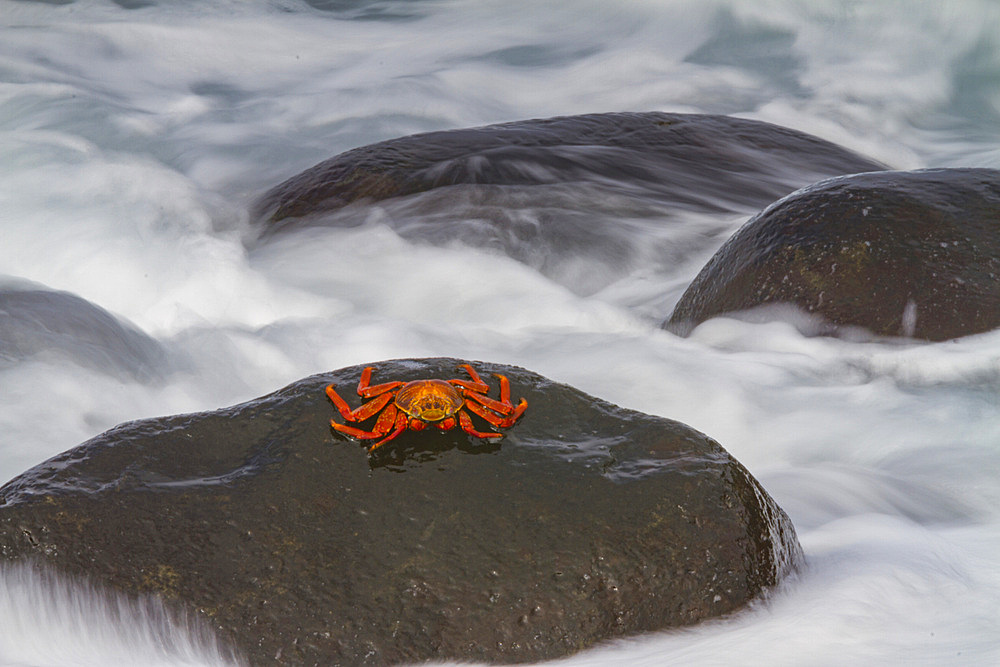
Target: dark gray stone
(584, 200)
(585, 523)
(39, 322)
(912, 254)
(704, 162)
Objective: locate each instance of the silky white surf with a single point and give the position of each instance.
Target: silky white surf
(132, 142)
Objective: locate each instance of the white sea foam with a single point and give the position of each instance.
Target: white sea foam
(49, 620)
(132, 141)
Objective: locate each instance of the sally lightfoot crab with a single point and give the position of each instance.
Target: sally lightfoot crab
(416, 405)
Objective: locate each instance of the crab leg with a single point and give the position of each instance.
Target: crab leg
(503, 407)
(383, 425)
(401, 421)
(501, 420)
(505, 389)
(367, 392)
(477, 383)
(390, 420)
(467, 426)
(363, 412)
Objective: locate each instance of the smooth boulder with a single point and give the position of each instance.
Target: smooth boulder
(584, 200)
(586, 522)
(38, 322)
(897, 253)
(696, 161)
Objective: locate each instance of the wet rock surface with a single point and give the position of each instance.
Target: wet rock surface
(913, 254)
(585, 523)
(38, 322)
(697, 160)
(582, 199)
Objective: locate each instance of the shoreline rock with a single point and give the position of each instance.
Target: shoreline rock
(697, 161)
(913, 254)
(584, 200)
(586, 522)
(39, 322)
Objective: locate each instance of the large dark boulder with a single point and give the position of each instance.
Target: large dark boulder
(585, 200)
(912, 254)
(586, 522)
(696, 160)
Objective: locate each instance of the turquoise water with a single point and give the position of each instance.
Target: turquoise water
(135, 134)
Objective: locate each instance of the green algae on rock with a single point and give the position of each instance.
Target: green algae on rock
(913, 254)
(586, 522)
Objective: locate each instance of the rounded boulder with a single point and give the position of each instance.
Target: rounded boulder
(897, 253)
(586, 522)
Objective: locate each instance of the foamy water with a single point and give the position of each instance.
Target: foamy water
(132, 142)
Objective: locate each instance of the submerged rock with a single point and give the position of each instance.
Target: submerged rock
(585, 523)
(38, 322)
(913, 254)
(692, 159)
(582, 199)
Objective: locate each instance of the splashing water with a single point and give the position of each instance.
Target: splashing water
(57, 621)
(135, 135)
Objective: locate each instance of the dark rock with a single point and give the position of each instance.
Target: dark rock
(370, 10)
(39, 322)
(584, 200)
(704, 162)
(586, 522)
(913, 254)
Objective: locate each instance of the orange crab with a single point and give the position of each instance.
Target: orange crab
(422, 403)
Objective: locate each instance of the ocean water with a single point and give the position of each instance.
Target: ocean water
(135, 135)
